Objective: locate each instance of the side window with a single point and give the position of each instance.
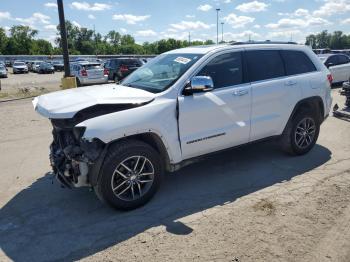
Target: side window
(225, 70)
(343, 59)
(297, 62)
(264, 64)
(333, 60)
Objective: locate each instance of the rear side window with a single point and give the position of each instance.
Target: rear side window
(264, 64)
(343, 59)
(333, 60)
(297, 62)
(225, 70)
(92, 66)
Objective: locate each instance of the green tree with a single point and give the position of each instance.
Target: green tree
(21, 39)
(41, 47)
(3, 40)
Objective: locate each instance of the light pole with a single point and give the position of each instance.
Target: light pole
(217, 25)
(222, 32)
(63, 38)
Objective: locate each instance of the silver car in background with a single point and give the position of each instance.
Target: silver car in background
(88, 73)
(3, 70)
(20, 68)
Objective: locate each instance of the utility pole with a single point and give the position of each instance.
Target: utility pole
(217, 25)
(95, 42)
(189, 38)
(64, 43)
(222, 32)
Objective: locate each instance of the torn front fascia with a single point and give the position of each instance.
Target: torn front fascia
(67, 151)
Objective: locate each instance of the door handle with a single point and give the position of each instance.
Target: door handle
(241, 92)
(290, 83)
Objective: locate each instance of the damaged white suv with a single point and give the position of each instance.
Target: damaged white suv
(186, 103)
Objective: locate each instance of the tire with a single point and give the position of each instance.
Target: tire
(116, 79)
(294, 133)
(137, 192)
(78, 82)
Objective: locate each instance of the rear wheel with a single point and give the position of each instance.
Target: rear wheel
(301, 133)
(130, 175)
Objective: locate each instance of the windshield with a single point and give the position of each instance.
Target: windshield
(160, 73)
(18, 64)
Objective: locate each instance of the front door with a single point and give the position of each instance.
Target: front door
(218, 119)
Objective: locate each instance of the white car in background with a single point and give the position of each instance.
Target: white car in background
(88, 73)
(339, 65)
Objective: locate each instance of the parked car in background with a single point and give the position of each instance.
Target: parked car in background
(8, 63)
(3, 71)
(182, 105)
(88, 73)
(339, 65)
(119, 68)
(58, 65)
(35, 66)
(20, 68)
(46, 68)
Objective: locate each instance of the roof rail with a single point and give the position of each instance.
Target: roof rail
(263, 42)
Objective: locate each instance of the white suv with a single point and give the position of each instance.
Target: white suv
(186, 103)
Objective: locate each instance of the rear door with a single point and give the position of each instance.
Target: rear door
(334, 68)
(221, 118)
(344, 67)
(270, 92)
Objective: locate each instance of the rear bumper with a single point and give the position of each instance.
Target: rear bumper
(89, 81)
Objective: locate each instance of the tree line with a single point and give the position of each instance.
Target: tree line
(335, 40)
(83, 41)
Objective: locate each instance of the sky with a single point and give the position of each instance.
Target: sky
(151, 20)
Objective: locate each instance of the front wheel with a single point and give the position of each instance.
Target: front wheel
(130, 175)
(301, 133)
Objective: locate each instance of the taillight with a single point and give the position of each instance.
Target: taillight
(123, 68)
(330, 79)
(106, 72)
(83, 72)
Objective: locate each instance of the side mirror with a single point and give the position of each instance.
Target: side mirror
(199, 84)
(328, 65)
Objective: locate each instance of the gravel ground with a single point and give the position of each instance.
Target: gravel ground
(16, 84)
(249, 204)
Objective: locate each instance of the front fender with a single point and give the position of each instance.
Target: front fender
(158, 117)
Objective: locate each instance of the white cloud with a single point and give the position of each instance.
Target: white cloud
(84, 6)
(50, 27)
(130, 19)
(75, 23)
(34, 19)
(243, 36)
(5, 15)
(190, 16)
(178, 36)
(146, 33)
(189, 25)
(238, 21)
(257, 26)
(346, 21)
(50, 5)
(286, 34)
(301, 12)
(298, 23)
(123, 30)
(332, 7)
(251, 7)
(204, 8)
(90, 16)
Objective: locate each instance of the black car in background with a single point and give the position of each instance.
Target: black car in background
(58, 65)
(119, 68)
(46, 68)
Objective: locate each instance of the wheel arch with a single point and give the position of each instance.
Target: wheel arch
(310, 103)
(150, 138)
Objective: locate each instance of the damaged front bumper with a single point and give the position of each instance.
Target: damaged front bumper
(72, 159)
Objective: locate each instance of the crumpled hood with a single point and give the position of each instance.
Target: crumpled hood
(65, 104)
